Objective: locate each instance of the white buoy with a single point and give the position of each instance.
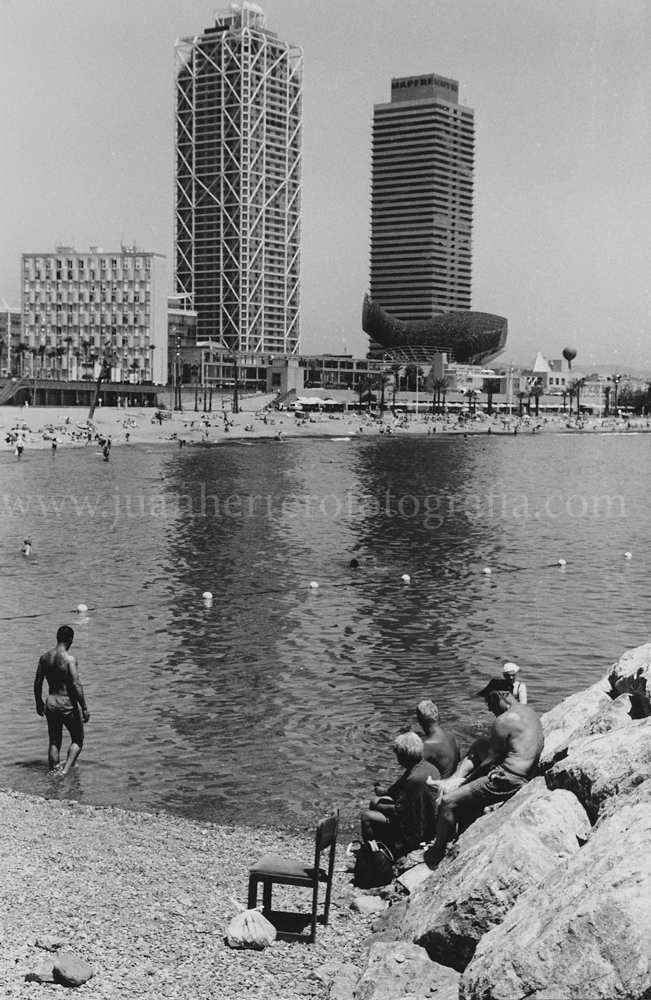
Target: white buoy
(314, 585)
(405, 578)
(628, 555)
(561, 562)
(207, 596)
(487, 571)
(82, 608)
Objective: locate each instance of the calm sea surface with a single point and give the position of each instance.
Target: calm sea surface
(278, 700)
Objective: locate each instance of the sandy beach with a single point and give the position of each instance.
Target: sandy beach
(38, 427)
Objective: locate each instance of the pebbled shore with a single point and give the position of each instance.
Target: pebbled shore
(145, 900)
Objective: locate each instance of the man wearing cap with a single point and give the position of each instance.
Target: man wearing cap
(518, 689)
(516, 742)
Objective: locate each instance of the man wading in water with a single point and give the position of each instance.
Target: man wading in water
(65, 704)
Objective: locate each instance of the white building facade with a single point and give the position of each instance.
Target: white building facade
(81, 309)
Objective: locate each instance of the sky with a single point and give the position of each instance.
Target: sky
(561, 91)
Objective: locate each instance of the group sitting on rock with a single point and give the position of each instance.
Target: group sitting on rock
(438, 794)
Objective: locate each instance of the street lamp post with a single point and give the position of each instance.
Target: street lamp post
(236, 401)
(178, 405)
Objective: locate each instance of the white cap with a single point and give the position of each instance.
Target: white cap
(510, 668)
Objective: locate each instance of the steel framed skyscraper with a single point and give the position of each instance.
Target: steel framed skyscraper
(422, 190)
(238, 182)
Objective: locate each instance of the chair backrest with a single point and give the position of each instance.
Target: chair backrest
(326, 833)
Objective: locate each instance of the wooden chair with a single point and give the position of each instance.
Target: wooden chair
(285, 871)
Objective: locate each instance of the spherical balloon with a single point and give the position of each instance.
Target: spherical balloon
(569, 353)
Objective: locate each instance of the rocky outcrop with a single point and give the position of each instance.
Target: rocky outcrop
(630, 675)
(497, 859)
(566, 719)
(404, 970)
(533, 901)
(583, 932)
(600, 767)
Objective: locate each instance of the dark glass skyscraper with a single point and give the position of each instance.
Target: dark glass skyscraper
(238, 182)
(422, 190)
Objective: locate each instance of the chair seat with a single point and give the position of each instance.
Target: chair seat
(274, 865)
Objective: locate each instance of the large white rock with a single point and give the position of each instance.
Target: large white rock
(398, 969)
(497, 859)
(571, 715)
(600, 767)
(583, 933)
(631, 675)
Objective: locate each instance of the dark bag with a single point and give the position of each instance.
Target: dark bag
(373, 865)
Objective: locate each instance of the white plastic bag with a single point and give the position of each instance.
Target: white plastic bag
(250, 929)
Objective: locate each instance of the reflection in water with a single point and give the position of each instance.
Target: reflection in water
(276, 700)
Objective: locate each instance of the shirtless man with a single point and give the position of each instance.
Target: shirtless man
(65, 704)
(440, 746)
(516, 742)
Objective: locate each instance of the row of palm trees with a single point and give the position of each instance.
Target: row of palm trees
(36, 361)
(439, 388)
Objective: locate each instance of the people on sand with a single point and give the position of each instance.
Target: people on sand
(403, 815)
(440, 746)
(516, 742)
(65, 704)
(518, 689)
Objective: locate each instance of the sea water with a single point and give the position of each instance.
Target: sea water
(276, 700)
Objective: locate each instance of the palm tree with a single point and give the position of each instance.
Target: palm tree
(439, 388)
(381, 380)
(51, 355)
(314, 366)
(537, 391)
(395, 369)
(85, 347)
(472, 397)
(607, 389)
(411, 375)
(19, 354)
(69, 364)
(491, 386)
(364, 387)
(575, 387)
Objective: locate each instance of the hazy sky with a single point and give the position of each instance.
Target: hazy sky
(562, 96)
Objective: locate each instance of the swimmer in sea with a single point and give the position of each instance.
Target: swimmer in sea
(27, 547)
(65, 704)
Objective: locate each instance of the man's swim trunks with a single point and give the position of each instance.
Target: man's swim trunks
(496, 786)
(60, 712)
